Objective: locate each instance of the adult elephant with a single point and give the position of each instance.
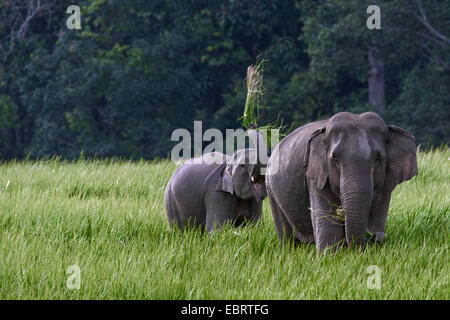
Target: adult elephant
(343, 168)
(214, 189)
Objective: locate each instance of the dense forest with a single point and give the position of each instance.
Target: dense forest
(138, 69)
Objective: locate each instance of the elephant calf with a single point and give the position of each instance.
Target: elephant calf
(206, 194)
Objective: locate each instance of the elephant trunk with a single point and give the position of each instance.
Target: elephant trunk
(356, 196)
(260, 161)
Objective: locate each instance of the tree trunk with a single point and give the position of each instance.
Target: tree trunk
(376, 80)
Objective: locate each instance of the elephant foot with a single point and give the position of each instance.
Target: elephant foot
(377, 237)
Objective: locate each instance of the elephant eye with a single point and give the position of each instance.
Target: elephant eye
(377, 156)
(334, 157)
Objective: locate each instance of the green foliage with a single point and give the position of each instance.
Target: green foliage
(255, 91)
(139, 69)
(8, 112)
(425, 91)
(416, 61)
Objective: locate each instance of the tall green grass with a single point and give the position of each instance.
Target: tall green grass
(108, 218)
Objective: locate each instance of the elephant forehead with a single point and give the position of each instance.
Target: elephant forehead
(372, 117)
(364, 148)
(342, 124)
(353, 144)
(245, 156)
(343, 117)
(373, 123)
(349, 121)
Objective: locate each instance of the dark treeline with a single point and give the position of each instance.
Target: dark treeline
(139, 69)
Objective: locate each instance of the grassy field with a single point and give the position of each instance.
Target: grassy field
(108, 218)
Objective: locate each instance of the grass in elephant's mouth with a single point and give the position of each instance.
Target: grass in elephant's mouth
(108, 218)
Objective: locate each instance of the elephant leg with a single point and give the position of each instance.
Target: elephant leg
(282, 226)
(256, 210)
(251, 214)
(378, 216)
(220, 209)
(215, 220)
(329, 230)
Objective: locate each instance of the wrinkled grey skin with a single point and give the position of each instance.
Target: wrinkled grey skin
(210, 195)
(349, 160)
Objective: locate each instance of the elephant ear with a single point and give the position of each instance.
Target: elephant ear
(225, 182)
(401, 164)
(316, 157)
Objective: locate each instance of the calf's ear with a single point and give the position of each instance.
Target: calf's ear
(225, 182)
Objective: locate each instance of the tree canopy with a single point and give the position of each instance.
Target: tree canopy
(139, 69)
